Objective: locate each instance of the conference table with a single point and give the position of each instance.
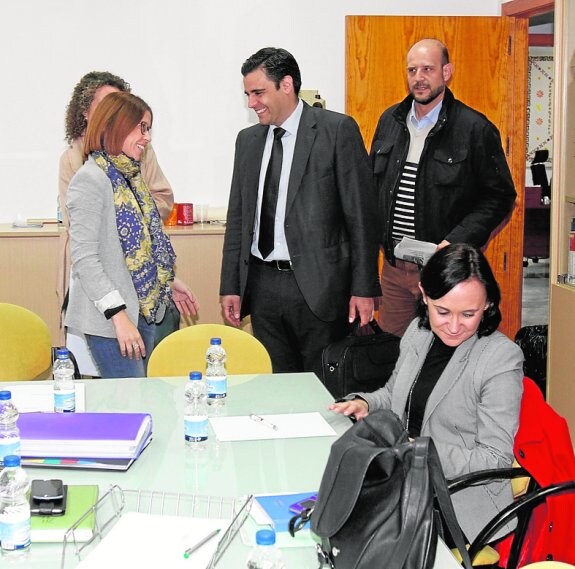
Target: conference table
(225, 469)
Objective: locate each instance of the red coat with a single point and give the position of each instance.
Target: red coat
(543, 447)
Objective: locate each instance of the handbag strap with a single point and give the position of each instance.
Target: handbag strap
(445, 504)
(415, 481)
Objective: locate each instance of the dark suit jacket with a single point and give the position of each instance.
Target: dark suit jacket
(330, 222)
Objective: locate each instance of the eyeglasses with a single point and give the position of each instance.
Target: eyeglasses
(145, 128)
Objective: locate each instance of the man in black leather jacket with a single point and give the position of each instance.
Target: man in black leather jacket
(441, 176)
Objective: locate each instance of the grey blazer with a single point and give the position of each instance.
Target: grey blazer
(472, 414)
(98, 264)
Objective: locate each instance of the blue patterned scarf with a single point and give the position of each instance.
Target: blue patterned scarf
(149, 255)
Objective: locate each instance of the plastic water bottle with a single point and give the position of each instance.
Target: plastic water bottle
(9, 432)
(196, 412)
(14, 508)
(216, 376)
(265, 554)
(64, 390)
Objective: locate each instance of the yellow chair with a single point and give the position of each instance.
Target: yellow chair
(549, 565)
(25, 344)
(185, 350)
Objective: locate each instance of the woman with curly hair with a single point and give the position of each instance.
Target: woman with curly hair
(123, 276)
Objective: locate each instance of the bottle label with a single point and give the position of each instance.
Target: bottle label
(65, 401)
(10, 445)
(217, 386)
(196, 428)
(15, 527)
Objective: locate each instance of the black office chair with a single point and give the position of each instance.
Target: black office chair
(522, 510)
(545, 513)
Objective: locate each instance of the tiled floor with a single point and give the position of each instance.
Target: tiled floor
(535, 309)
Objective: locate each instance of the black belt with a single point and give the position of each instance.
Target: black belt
(278, 265)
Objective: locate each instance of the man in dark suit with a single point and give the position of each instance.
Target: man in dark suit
(300, 258)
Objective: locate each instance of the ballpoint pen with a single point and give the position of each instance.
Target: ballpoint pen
(197, 546)
(263, 421)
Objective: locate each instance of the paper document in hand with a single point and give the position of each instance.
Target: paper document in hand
(289, 426)
(414, 251)
(84, 435)
(149, 541)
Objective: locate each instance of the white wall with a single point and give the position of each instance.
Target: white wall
(183, 57)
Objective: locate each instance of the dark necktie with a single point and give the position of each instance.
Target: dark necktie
(270, 195)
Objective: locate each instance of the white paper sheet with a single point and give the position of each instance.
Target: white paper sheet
(289, 426)
(33, 398)
(149, 541)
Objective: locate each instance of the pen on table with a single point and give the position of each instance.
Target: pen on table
(263, 421)
(190, 550)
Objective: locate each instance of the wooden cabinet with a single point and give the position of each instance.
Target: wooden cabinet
(561, 363)
(29, 259)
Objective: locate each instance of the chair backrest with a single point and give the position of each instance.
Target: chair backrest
(25, 344)
(185, 350)
(549, 565)
(543, 447)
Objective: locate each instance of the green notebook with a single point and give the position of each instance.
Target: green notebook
(52, 528)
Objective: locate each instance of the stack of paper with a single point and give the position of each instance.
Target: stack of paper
(149, 541)
(84, 435)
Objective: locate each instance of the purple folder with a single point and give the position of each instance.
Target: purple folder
(78, 435)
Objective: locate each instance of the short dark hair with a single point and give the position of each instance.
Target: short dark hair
(114, 118)
(277, 63)
(455, 264)
(82, 96)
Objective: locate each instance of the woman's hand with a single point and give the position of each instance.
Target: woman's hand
(184, 298)
(130, 340)
(357, 407)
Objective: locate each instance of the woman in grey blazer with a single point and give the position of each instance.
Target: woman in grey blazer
(457, 379)
(122, 261)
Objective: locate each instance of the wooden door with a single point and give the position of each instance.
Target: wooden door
(489, 57)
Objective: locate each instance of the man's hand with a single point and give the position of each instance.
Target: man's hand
(443, 244)
(363, 307)
(231, 308)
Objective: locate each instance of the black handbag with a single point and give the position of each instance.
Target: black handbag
(375, 506)
(360, 362)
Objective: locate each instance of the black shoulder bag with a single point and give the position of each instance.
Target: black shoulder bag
(375, 505)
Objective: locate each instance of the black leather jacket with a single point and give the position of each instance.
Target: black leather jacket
(464, 187)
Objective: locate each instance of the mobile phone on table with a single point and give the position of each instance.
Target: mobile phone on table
(302, 505)
(48, 497)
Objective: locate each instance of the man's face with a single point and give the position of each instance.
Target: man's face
(272, 106)
(426, 75)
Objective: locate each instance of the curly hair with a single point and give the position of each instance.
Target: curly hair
(82, 96)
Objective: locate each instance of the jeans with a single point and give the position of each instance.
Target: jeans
(107, 356)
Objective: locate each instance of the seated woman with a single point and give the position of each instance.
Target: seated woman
(457, 380)
(121, 257)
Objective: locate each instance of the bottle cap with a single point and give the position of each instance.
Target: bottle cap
(62, 353)
(195, 375)
(265, 537)
(11, 460)
(5, 395)
(215, 341)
